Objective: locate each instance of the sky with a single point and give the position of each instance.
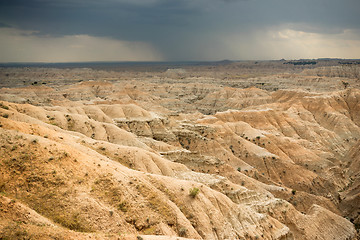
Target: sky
(177, 30)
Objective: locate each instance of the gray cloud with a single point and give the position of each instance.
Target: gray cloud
(180, 29)
(3, 25)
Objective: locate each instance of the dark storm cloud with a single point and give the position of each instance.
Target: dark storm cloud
(177, 27)
(3, 25)
(125, 20)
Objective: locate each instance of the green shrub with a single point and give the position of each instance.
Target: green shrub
(4, 107)
(123, 207)
(193, 192)
(182, 232)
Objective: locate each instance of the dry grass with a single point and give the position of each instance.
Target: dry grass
(15, 231)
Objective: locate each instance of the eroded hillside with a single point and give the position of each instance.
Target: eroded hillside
(179, 157)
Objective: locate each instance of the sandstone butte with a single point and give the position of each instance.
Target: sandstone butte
(178, 157)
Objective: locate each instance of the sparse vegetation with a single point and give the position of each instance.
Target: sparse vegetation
(4, 106)
(193, 192)
(17, 164)
(2, 187)
(14, 231)
(72, 221)
(123, 206)
(182, 232)
(150, 230)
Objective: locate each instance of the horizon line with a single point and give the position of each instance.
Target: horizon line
(178, 61)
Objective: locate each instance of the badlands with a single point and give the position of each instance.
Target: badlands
(226, 150)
